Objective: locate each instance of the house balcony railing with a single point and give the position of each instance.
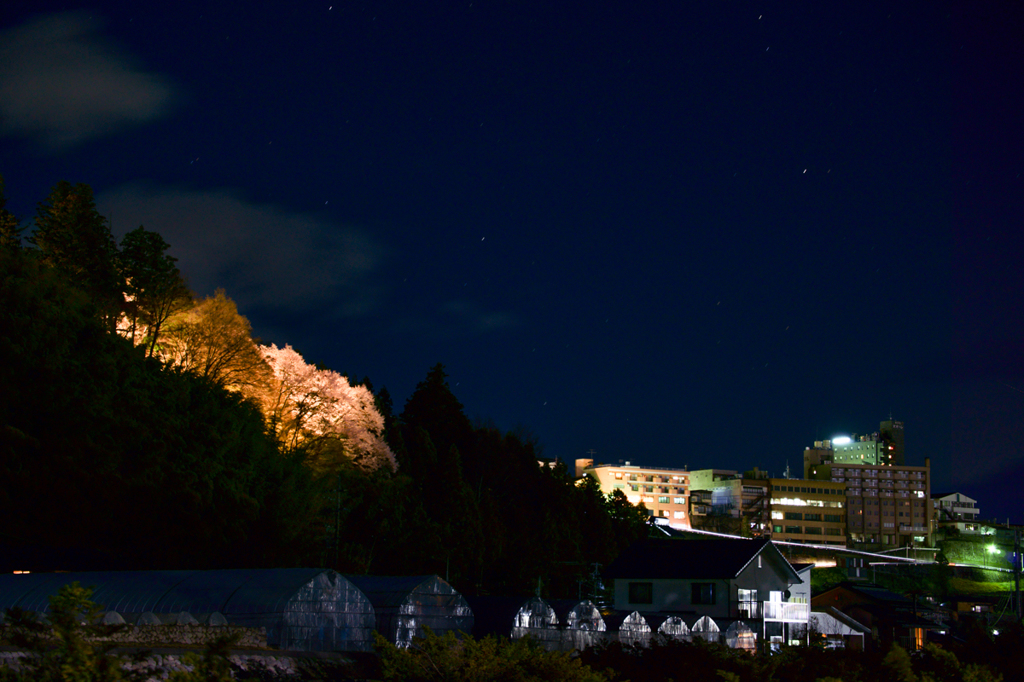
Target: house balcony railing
(906, 527)
(786, 612)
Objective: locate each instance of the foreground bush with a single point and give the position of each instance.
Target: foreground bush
(450, 658)
(69, 647)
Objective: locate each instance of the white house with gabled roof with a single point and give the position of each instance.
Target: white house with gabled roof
(726, 580)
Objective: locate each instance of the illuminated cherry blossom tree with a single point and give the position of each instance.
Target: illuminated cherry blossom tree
(322, 410)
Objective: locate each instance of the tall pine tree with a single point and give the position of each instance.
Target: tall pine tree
(155, 287)
(74, 238)
(10, 232)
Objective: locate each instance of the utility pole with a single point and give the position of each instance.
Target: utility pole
(1016, 572)
(337, 522)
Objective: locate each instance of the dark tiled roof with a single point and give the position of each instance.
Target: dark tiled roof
(681, 559)
(869, 593)
(876, 593)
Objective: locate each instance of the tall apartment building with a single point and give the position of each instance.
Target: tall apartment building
(808, 511)
(891, 433)
(885, 504)
(664, 492)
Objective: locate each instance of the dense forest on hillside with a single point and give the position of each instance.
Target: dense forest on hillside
(143, 428)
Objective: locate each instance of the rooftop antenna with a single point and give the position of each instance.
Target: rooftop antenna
(787, 468)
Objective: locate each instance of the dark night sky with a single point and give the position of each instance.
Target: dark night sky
(678, 233)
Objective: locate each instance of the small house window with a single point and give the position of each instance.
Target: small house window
(702, 593)
(641, 593)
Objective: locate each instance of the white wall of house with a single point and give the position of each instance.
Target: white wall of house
(672, 595)
(826, 624)
(802, 591)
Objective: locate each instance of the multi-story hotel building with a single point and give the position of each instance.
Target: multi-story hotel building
(811, 512)
(664, 492)
(885, 504)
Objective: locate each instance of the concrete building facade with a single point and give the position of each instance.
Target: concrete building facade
(808, 511)
(743, 498)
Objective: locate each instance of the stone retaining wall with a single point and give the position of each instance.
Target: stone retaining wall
(158, 667)
(152, 636)
(189, 635)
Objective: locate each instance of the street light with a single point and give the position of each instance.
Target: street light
(991, 549)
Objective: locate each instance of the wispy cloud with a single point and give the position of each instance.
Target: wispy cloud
(61, 82)
(456, 319)
(264, 256)
(469, 315)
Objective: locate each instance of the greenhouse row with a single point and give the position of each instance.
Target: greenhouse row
(567, 625)
(321, 610)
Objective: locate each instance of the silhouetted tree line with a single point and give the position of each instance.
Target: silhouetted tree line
(474, 504)
(120, 448)
(110, 458)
